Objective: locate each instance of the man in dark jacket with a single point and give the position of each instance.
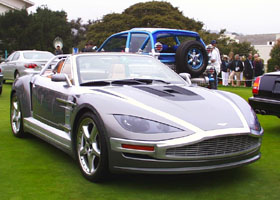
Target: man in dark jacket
(248, 70)
(258, 66)
(236, 68)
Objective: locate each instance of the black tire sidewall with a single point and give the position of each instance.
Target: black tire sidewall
(181, 58)
(102, 169)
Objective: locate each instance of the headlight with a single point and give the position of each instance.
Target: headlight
(140, 125)
(254, 123)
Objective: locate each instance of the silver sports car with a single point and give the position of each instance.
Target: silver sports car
(20, 63)
(118, 112)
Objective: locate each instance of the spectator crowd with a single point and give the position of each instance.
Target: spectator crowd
(235, 69)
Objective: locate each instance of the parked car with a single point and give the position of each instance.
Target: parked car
(1, 80)
(181, 50)
(266, 94)
(20, 63)
(122, 112)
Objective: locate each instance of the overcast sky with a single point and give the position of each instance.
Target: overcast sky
(240, 16)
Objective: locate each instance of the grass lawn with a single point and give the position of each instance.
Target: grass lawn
(33, 169)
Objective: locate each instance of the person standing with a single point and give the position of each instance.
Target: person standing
(258, 66)
(248, 70)
(236, 68)
(58, 50)
(218, 61)
(213, 61)
(225, 70)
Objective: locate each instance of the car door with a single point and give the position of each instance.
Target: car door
(52, 101)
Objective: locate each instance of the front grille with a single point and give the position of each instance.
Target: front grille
(216, 147)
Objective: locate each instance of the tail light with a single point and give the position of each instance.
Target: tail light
(211, 71)
(256, 86)
(0, 70)
(158, 47)
(30, 65)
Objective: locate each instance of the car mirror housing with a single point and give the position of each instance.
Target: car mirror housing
(186, 77)
(61, 77)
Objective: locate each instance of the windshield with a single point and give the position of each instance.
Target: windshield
(38, 55)
(119, 67)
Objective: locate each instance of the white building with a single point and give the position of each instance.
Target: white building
(263, 43)
(7, 5)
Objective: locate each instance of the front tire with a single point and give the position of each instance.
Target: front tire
(191, 57)
(91, 148)
(16, 117)
(16, 75)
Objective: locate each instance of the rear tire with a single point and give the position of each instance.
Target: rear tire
(91, 148)
(16, 117)
(191, 57)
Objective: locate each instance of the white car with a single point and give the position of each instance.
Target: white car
(20, 63)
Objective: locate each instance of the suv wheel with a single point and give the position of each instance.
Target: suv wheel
(191, 57)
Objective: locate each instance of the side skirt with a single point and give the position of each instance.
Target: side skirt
(56, 137)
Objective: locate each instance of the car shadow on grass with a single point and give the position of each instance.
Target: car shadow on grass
(190, 181)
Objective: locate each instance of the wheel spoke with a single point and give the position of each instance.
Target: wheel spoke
(93, 134)
(83, 151)
(15, 105)
(91, 166)
(86, 132)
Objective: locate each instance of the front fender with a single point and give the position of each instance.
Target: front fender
(21, 87)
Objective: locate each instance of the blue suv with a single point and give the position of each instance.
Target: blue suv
(181, 50)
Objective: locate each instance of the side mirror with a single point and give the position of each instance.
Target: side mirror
(94, 48)
(186, 77)
(61, 78)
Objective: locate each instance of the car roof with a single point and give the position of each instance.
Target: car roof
(164, 30)
(33, 51)
(108, 53)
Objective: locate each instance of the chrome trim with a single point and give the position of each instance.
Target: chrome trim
(189, 169)
(162, 146)
(48, 133)
(264, 100)
(66, 101)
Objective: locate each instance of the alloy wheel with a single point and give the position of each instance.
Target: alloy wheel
(88, 146)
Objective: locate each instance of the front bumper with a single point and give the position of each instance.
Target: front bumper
(200, 157)
(265, 106)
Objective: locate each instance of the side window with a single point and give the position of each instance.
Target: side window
(185, 38)
(139, 41)
(67, 69)
(16, 56)
(116, 44)
(11, 56)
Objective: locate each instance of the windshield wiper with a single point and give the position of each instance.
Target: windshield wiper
(150, 81)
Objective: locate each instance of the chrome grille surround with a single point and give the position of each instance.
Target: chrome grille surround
(214, 148)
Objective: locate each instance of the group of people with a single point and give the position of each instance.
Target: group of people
(233, 67)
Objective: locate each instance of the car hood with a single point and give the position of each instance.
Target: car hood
(193, 108)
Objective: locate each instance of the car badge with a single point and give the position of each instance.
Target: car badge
(222, 124)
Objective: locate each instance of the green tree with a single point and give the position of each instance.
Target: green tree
(21, 31)
(46, 25)
(13, 32)
(274, 57)
(150, 14)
